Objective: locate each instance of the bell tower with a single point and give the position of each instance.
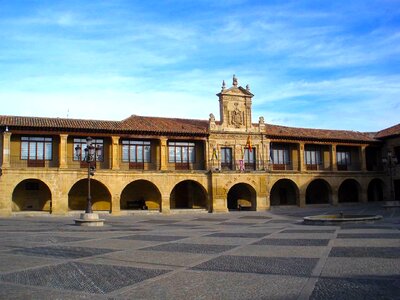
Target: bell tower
(235, 107)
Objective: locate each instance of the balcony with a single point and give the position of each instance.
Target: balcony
(282, 167)
(315, 167)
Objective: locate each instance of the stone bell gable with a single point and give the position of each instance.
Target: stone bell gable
(235, 109)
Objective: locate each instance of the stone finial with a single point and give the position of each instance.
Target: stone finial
(234, 80)
(223, 85)
(261, 120)
(212, 118)
(248, 87)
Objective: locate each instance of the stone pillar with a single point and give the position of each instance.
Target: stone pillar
(335, 196)
(220, 205)
(163, 154)
(6, 157)
(206, 155)
(363, 159)
(116, 204)
(165, 204)
(302, 198)
(5, 198)
(301, 158)
(63, 152)
(363, 196)
(59, 197)
(59, 204)
(333, 158)
(262, 203)
(267, 155)
(115, 159)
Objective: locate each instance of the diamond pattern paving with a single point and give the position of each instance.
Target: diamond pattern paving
(263, 265)
(255, 217)
(155, 238)
(369, 235)
(383, 252)
(91, 278)
(61, 251)
(354, 289)
(309, 231)
(190, 248)
(293, 242)
(238, 234)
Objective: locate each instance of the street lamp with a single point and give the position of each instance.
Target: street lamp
(90, 156)
(390, 161)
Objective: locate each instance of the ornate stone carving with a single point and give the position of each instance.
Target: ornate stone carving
(236, 117)
(234, 80)
(212, 118)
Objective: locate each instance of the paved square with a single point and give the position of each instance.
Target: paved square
(293, 242)
(236, 255)
(61, 251)
(261, 265)
(98, 279)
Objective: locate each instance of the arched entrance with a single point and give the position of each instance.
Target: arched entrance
(242, 196)
(77, 196)
(318, 192)
(375, 190)
(141, 194)
(31, 195)
(349, 191)
(188, 194)
(284, 192)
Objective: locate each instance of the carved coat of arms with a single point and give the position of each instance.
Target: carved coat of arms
(236, 117)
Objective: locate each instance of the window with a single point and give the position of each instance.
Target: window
(36, 148)
(82, 143)
(343, 158)
(136, 151)
(312, 155)
(249, 158)
(226, 158)
(181, 152)
(397, 154)
(280, 155)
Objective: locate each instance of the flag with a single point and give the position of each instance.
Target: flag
(248, 144)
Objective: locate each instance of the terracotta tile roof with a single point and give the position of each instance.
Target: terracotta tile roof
(391, 131)
(165, 125)
(57, 123)
(157, 125)
(316, 134)
(131, 124)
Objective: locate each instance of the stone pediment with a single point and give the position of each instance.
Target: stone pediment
(236, 91)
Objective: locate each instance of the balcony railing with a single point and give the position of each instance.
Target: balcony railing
(282, 167)
(349, 167)
(315, 167)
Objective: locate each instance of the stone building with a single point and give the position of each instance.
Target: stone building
(165, 164)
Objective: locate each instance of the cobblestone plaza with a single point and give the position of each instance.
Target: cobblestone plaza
(237, 255)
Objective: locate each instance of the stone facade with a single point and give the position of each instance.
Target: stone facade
(163, 164)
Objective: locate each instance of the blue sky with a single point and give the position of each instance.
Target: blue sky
(319, 64)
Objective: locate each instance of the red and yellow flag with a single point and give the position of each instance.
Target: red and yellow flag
(248, 144)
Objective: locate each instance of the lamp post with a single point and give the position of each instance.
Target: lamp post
(390, 162)
(90, 156)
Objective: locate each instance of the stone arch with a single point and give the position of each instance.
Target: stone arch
(31, 195)
(284, 192)
(242, 196)
(349, 191)
(318, 192)
(188, 194)
(77, 195)
(375, 190)
(141, 194)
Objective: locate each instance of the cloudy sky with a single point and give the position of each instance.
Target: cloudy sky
(319, 64)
